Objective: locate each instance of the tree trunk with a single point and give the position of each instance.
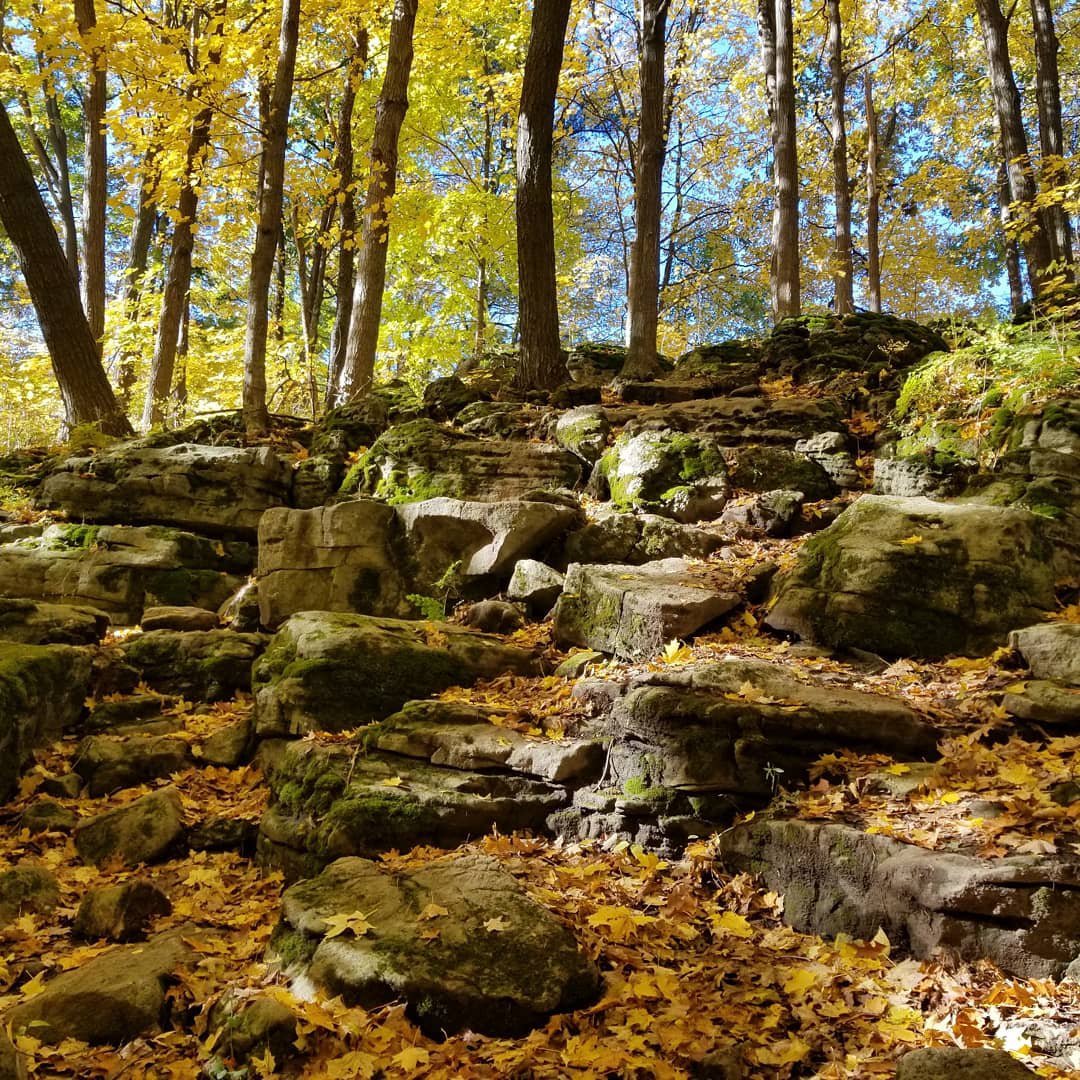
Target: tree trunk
(873, 200)
(843, 269)
(995, 33)
(541, 362)
(786, 155)
(346, 267)
(178, 275)
(1012, 248)
(95, 192)
(84, 388)
(1051, 136)
(766, 19)
(271, 198)
(643, 299)
(142, 232)
(363, 340)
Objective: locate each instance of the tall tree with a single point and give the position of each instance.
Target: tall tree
(1022, 186)
(1008, 239)
(1051, 133)
(76, 360)
(541, 361)
(873, 199)
(268, 230)
(786, 166)
(842, 268)
(366, 316)
(178, 276)
(95, 191)
(644, 292)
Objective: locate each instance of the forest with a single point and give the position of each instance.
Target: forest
(539, 541)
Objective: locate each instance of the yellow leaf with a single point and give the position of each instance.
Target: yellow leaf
(355, 923)
(497, 925)
(265, 1066)
(433, 911)
(799, 981)
(730, 922)
(34, 986)
(911, 540)
(411, 1057)
(393, 781)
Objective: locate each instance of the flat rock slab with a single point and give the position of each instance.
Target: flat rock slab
(107, 763)
(142, 831)
(330, 671)
(179, 618)
(110, 999)
(333, 800)
(1022, 912)
(1045, 702)
(42, 690)
(122, 569)
(954, 1063)
(216, 489)
(30, 622)
(459, 941)
(1051, 650)
(633, 611)
(915, 577)
(201, 665)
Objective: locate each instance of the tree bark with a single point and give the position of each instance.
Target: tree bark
(271, 199)
(142, 233)
(1051, 134)
(541, 361)
(344, 166)
(843, 269)
(84, 388)
(1012, 248)
(643, 299)
(788, 300)
(995, 33)
(766, 19)
(363, 340)
(178, 275)
(873, 200)
(95, 191)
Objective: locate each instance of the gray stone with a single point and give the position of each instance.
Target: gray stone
(106, 762)
(127, 712)
(12, 1063)
(27, 889)
(250, 1026)
(772, 513)
(536, 585)
(494, 617)
(111, 998)
(121, 912)
(908, 477)
(499, 965)
(240, 612)
(954, 1063)
(229, 745)
(831, 451)
(31, 622)
(179, 618)
(42, 690)
(1051, 650)
(201, 665)
(584, 432)
(1044, 702)
(913, 577)
(44, 815)
(668, 473)
(639, 538)
(632, 612)
(137, 832)
(1021, 912)
(771, 468)
(121, 569)
(217, 489)
(328, 671)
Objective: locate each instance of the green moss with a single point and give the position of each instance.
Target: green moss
(293, 948)
(75, 536)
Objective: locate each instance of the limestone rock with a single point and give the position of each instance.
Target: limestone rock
(201, 665)
(1045, 702)
(12, 1063)
(179, 618)
(137, 832)
(771, 513)
(107, 763)
(31, 622)
(42, 689)
(229, 745)
(584, 432)
(121, 569)
(121, 912)
(494, 617)
(44, 815)
(1021, 912)
(639, 538)
(327, 671)
(216, 489)
(955, 1063)
(536, 585)
(127, 712)
(27, 889)
(830, 449)
(1051, 650)
(632, 612)
(111, 998)
(494, 981)
(421, 460)
(772, 468)
(670, 473)
(914, 577)
(250, 1026)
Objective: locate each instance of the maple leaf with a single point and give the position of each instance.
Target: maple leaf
(355, 923)
(392, 781)
(497, 925)
(731, 922)
(433, 911)
(34, 986)
(676, 652)
(911, 541)
(412, 1057)
(265, 1066)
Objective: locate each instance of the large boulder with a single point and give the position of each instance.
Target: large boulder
(633, 611)
(214, 489)
(459, 941)
(1051, 650)
(914, 577)
(42, 690)
(611, 537)
(422, 460)
(122, 569)
(110, 999)
(329, 671)
(107, 762)
(27, 889)
(142, 831)
(1020, 912)
(120, 912)
(957, 1063)
(332, 800)
(675, 474)
(779, 421)
(774, 468)
(201, 665)
(584, 432)
(31, 622)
